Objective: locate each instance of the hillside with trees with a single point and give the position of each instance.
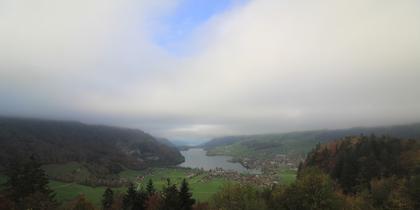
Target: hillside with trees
(297, 144)
(353, 173)
(354, 162)
(102, 150)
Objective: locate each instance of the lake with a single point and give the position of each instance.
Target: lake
(197, 158)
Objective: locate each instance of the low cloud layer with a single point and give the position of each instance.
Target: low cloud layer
(263, 66)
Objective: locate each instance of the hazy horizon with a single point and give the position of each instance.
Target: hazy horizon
(188, 69)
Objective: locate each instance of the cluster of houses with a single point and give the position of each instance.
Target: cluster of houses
(268, 166)
(258, 179)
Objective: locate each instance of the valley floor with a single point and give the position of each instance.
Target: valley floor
(203, 184)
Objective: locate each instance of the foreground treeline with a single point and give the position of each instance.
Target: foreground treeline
(169, 198)
(27, 188)
(315, 190)
(357, 173)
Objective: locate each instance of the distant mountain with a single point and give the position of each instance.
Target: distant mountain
(165, 142)
(103, 149)
(297, 144)
(181, 143)
(188, 143)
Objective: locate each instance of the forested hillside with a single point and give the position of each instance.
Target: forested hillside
(102, 149)
(353, 173)
(297, 144)
(165, 142)
(355, 161)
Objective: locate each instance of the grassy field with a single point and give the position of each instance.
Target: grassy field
(68, 191)
(287, 176)
(77, 170)
(202, 190)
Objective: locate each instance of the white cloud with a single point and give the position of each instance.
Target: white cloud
(265, 66)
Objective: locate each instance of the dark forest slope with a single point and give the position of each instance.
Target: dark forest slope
(355, 161)
(104, 149)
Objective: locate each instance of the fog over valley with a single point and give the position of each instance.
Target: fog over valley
(186, 71)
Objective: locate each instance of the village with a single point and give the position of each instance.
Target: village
(262, 172)
(265, 172)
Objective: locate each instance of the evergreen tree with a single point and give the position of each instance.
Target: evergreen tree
(185, 196)
(150, 188)
(140, 201)
(129, 197)
(25, 179)
(171, 197)
(107, 199)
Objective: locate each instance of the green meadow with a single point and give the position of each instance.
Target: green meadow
(202, 190)
(68, 191)
(287, 176)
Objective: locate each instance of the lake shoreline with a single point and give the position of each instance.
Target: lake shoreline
(198, 158)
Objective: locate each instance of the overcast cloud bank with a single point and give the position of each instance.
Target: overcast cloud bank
(263, 66)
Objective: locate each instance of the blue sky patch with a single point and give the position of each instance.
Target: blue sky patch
(189, 14)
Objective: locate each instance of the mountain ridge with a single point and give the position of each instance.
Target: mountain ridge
(297, 144)
(106, 149)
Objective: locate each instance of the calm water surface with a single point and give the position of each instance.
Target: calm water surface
(197, 158)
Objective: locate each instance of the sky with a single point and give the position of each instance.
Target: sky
(198, 69)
